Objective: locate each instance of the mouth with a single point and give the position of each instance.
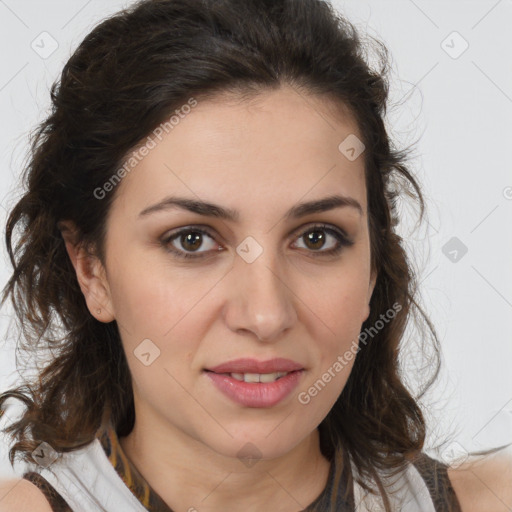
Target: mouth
(253, 383)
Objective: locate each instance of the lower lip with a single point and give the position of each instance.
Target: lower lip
(256, 394)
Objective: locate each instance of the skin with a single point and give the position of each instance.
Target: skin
(484, 483)
(19, 495)
(261, 158)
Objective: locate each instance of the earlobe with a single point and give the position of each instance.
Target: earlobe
(90, 274)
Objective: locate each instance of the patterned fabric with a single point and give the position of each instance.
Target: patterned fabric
(129, 473)
(338, 495)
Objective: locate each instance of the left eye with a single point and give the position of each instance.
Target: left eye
(316, 237)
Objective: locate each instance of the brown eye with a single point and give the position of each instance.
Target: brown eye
(324, 240)
(315, 239)
(185, 242)
(191, 241)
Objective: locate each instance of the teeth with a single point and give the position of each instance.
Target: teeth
(251, 377)
(258, 377)
(271, 377)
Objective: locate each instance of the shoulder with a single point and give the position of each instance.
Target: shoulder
(483, 483)
(20, 495)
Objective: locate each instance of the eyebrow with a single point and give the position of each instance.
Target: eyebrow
(213, 210)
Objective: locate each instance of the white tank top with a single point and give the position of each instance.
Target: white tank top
(89, 482)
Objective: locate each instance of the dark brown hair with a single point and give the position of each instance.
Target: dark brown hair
(124, 80)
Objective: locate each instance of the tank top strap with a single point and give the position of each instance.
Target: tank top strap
(86, 481)
(56, 501)
(423, 486)
(435, 475)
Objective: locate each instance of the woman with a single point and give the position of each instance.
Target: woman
(207, 245)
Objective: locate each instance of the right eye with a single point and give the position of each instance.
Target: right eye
(190, 238)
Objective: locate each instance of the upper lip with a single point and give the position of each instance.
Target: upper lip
(247, 365)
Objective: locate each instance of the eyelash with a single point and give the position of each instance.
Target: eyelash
(343, 241)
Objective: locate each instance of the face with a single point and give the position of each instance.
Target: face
(256, 278)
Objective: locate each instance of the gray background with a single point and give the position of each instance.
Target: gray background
(459, 104)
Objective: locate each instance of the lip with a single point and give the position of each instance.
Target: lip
(249, 365)
(257, 394)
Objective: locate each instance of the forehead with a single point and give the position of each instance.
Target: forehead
(273, 148)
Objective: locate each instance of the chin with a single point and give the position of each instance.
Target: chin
(250, 449)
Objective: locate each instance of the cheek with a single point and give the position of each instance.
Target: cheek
(338, 307)
(336, 345)
(168, 307)
(151, 299)
(159, 330)
(340, 300)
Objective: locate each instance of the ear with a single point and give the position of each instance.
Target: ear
(90, 273)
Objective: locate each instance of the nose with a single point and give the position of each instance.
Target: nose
(262, 300)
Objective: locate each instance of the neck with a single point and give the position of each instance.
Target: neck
(202, 479)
